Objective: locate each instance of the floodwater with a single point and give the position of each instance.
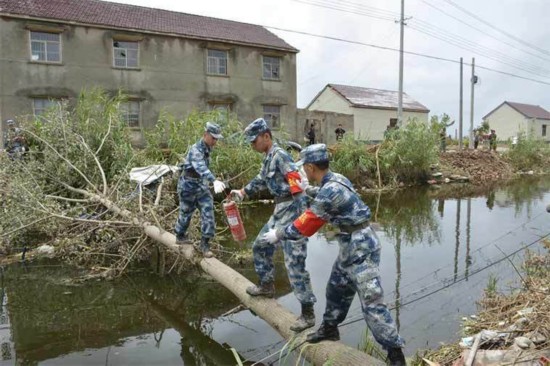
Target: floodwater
(438, 255)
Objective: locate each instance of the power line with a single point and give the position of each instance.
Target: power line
(462, 278)
(483, 32)
(435, 32)
(519, 40)
(407, 52)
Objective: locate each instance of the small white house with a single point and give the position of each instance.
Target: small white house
(373, 109)
(509, 119)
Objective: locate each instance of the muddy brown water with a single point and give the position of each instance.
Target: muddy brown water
(438, 255)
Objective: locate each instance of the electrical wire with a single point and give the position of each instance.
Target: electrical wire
(438, 33)
(412, 53)
(509, 44)
(519, 40)
(465, 273)
(458, 280)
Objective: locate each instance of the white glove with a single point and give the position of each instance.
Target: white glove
(303, 184)
(271, 236)
(219, 186)
(304, 181)
(238, 194)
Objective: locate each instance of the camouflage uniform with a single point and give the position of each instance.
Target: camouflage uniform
(356, 268)
(276, 165)
(193, 190)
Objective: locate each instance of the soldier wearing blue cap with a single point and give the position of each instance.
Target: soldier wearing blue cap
(193, 189)
(281, 178)
(356, 267)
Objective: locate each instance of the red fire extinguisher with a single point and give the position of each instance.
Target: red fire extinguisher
(234, 219)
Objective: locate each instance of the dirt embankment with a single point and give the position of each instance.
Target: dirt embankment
(482, 167)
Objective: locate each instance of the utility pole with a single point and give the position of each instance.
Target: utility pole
(460, 142)
(473, 81)
(401, 41)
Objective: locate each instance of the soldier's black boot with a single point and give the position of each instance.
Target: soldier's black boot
(396, 357)
(204, 248)
(305, 320)
(182, 239)
(264, 289)
(326, 332)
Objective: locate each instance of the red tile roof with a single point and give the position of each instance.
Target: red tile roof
(138, 18)
(377, 98)
(529, 110)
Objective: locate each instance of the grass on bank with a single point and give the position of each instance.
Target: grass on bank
(499, 311)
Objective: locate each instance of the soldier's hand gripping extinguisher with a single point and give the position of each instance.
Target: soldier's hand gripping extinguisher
(233, 217)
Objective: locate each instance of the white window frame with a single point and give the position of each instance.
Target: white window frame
(46, 44)
(269, 112)
(125, 57)
(273, 70)
(217, 65)
(128, 116)
(47, 104)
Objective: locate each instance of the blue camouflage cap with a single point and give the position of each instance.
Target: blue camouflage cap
(255, 128)
(315, 153)
(214, 129)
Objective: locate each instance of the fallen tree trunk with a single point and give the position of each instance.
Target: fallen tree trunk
(270, 310)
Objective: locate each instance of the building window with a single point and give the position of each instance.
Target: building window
(543, 130)
(126, 54)
(272, 67)
(41, 105)
(222, 108)
(45, 47)
(272, 115)
(216, 62)
(130, 112)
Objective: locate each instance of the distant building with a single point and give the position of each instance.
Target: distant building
(164, 60)
(372, 109)
(509, 119)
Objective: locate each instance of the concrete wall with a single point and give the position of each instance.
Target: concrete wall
(325, 123)
(330, 101)
(507, 122)
(171, 74)
(369, 123)
(537, 129)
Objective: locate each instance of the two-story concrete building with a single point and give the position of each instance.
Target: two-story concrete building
(510, 119)
(164, 60)
(373, 110)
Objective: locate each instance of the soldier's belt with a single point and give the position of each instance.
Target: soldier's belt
(282, 199)
(191, 174)
(352, 228)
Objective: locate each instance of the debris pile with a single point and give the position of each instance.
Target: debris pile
(482, 167)
(510, 328)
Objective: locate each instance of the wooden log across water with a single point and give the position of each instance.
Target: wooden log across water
(278, 317)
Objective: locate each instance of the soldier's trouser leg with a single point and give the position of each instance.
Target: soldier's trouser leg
(295, 253)
(371, 296)
(339, 294)
(206, 208)
(263, 255)
(188, 204)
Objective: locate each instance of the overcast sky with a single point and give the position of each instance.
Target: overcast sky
(522, 39)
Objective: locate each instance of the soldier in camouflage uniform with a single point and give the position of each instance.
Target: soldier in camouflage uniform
(193, 189)
(356, 268)
(281, 178)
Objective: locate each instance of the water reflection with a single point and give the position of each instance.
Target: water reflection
(51, 318)
(438, 251)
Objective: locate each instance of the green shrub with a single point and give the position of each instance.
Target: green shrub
(351, 159)
(230, 157)
(529, 153)
(407, 156)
